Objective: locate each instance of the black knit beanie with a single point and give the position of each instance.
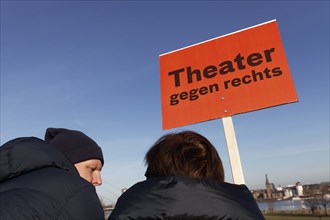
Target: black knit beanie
(75, 145)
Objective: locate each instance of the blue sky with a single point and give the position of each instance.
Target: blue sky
(94, 66)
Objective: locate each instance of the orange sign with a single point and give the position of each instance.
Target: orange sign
(231, 74)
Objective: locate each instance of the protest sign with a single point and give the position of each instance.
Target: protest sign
(239, 72)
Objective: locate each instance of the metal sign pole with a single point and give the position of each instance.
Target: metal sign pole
(235, 161)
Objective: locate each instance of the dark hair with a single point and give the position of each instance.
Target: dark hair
(186, 153)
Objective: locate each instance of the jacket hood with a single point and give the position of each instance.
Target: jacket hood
(22, 155)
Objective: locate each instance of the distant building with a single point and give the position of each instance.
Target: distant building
(269, 189)
(272, 192)
(290, 191)
(312, 189)
(300, 189)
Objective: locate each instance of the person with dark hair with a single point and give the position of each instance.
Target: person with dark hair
(51, 179)
(185, 180)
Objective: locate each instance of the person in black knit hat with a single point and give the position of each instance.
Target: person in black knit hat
(53, 178)
(81, 150)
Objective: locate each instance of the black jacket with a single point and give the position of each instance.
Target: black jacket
(38, 182)
(186, 198)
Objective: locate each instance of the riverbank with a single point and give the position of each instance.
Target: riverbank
(295, 215)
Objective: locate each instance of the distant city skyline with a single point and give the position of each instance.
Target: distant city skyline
(290, 184)
(94, 66)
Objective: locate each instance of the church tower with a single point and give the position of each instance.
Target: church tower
(269, 189)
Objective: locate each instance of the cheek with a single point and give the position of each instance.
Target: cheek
(87, 176)
(85, 173)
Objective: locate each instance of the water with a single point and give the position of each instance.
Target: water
(282, 205)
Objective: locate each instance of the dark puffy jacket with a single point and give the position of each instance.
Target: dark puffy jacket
(38, 182)
(186, 198)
